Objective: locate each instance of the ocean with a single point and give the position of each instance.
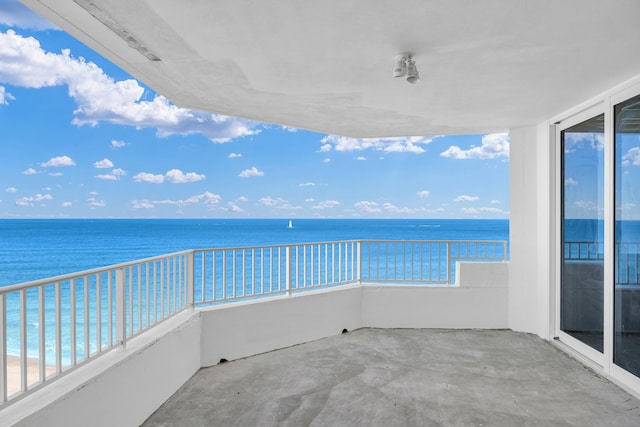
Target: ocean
(32, 249)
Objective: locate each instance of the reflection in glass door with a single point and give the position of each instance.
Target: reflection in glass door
(626, 349)
(582, 267)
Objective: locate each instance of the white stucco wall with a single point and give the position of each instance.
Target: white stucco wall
(530, 230)
(479, 300)
(121, 388)
(254, 327)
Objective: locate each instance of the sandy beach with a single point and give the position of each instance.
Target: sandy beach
(33, 373)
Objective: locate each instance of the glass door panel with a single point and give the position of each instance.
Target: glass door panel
(582, 266)
(626, 347)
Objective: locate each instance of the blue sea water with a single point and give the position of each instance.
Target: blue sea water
(32, 249)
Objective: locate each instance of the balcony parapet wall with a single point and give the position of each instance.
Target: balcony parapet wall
(171, 352)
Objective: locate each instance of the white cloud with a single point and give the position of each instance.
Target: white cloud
(30, 171)
(58, 162)
(307, 184)
(117, 144)
(494, 146)
(495, 202)
(103, 164)
(93, 203)
(142, 204)
(395, 209)
(360, 158)
(46, 188)
(578, 140)
(107, 177)
(11, 190)
(206, 198)
(93, 193)
(367, 206)
(149, 177)
(14, 14)
(119, 172)
(99, 98)
(67, 204)
(247, 173)
(632, 157)
(234, 155)
(32, 200)
(176, 176)
(233, 207)
(570, 181)
(114, 175)
(424, 193)
(464, 198)
(269, 201)
(55, 174)
(326, 161)
(585, 205)
(242, 199)
(388, 145)
(326, 204)
(5, 96)
(627, 207)
(310, 200)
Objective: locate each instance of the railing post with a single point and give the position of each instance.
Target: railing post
(121, 321)
(190, 278)
(3, 349)
(448, 263)
(504, 251)
(359, 261)
(288, 270)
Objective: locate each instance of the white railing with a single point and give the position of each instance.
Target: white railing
(420, 261)
(51, 326)
(251, 272)
(627, 259)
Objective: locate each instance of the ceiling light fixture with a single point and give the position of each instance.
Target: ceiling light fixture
(401, 66)
(406, 67)
(412, 72)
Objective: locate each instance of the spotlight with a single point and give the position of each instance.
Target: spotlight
(412, 72)
(401, 66)
(406, 67)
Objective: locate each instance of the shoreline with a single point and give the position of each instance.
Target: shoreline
(33, 372)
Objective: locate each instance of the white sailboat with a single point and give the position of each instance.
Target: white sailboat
(290, 224)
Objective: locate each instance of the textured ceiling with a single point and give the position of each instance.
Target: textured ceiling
(485, 65)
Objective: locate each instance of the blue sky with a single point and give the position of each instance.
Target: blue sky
(81, 138)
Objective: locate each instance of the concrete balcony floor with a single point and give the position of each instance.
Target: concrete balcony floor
(384, 377)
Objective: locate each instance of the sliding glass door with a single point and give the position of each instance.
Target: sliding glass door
(582, 232)
(626, 338)
(598, 311)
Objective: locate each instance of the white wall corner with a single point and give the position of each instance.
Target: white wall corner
(530, 242)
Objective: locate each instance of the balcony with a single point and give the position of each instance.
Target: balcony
(384, 377)
(130, 335)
